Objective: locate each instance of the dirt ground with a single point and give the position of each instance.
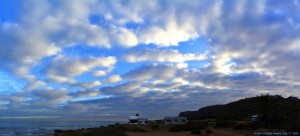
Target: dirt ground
(161, 133)
(215, 132)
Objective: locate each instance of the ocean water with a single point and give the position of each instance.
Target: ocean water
(45, 128)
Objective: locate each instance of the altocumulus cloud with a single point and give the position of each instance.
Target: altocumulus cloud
(70, 67)
(107, 60)
(161, 56)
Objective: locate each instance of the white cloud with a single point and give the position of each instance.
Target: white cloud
(60, 79)
(21, 50)
(70, 67)
(125, 89)
(114, 78)
(172, 34)
(161, 56)
(181, 65)
(99, 73)
(34, 84)
(64, 23)
(180, 80)
(88, 85)
(153, 72)
(124, 37)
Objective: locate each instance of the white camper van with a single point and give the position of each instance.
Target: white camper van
(175, 120)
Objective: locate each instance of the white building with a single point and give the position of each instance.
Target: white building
(137, 120)
(133, 119)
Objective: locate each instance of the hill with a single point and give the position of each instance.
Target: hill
(275, 109)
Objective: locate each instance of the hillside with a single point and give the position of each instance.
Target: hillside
(274, 108)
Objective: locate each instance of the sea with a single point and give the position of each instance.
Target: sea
(46, 128)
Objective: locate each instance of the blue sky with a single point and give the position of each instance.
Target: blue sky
(106, 60)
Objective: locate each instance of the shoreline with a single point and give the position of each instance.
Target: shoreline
(33, 128)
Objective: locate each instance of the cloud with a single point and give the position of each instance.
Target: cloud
(99, 73)
(88, 85)
(124, 89)
(69, 67)
(124, 37)
(170, 35)
(155, 72)
(26, 48)
(13, 99)
(22, 50)
(60, 79)
(85, 94)
(64, 24)
(114, 78)
(51, 95)
(155, 55)
(34, 84)
(239, 48)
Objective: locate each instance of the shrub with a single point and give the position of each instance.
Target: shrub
(155, 127)
(193, 125)
(107, 131)
(208, 131)
(57, 130)
(196, 131)
(131, 128)
(222, 124)
(136, 129)
(243, 127)
(177, 128)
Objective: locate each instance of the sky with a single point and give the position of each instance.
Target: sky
(106, 60)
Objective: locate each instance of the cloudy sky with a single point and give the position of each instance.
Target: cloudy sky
(105, 60)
